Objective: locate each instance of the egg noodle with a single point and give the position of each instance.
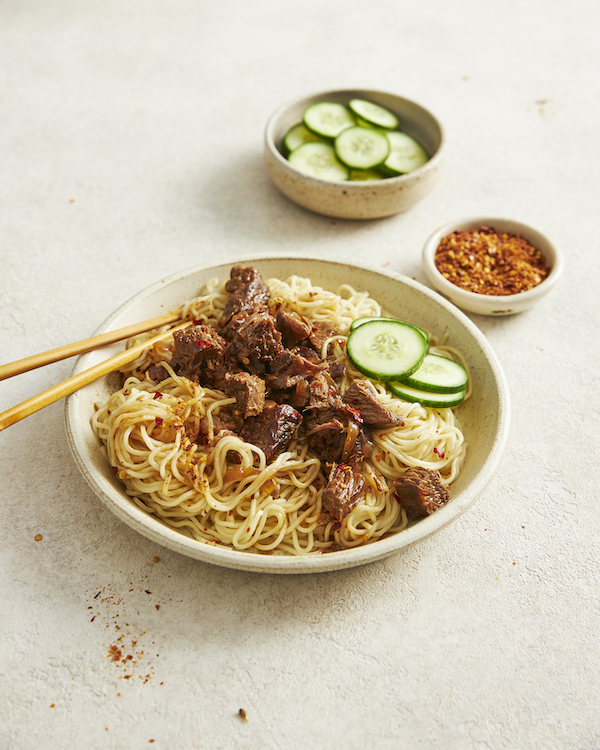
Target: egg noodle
(249, 504)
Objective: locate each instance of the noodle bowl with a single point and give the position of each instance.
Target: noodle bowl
(226, 492)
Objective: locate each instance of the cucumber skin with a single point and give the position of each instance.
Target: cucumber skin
(428, 398)
(361, 115)
(359, 321)
(422, 385)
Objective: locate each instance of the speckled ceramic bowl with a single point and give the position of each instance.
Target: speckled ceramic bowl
(485, 304)
(484, 417)
(356, 200)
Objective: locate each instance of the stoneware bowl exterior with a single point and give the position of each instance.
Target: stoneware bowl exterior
(484, 417)
(356, 200)
(484, 304)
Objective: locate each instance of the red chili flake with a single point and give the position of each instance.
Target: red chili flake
(115, 469)
(441, 454)
(489, 262)
(157, 395)
(159, 421)
(378, 458)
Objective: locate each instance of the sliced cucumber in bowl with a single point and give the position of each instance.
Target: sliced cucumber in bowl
(362, 148)
(318, 159)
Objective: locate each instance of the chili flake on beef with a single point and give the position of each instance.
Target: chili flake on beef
(489, 262)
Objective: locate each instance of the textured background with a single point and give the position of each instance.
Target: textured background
(130, 143)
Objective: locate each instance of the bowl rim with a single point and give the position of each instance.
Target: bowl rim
(97, 478)
(551, 253)
(353, 185)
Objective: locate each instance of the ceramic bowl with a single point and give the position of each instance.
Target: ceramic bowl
(484, 304)
(356, 200)
(484, 417)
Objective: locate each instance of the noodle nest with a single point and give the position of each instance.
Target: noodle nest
(147, 431)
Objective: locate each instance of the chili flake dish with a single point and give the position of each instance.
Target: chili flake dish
(491, 266)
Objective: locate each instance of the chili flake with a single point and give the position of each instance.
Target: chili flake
(489, 262)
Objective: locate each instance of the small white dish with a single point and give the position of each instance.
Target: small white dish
(485, 304)
(356, 200)
(484, 417)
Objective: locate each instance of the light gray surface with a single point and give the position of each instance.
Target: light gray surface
(131, 143)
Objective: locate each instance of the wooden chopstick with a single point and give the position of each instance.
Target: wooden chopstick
(86, 345)
(81, 379)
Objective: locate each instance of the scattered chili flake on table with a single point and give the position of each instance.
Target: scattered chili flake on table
(489, 262)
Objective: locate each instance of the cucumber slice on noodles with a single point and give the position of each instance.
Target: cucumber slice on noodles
(425, 398)
(365, 319)
(373, 113)
(406, 154)
(386, 349)
(327, 119)
(318, 159)
(438, 375)
(362, 148)
(296, 136)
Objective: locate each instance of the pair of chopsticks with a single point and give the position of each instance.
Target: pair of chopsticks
(78, 381)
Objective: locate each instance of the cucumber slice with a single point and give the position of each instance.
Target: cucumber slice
(438, 375)
(365, 319)
(362, 148)
(318, 159)
(373, 113)
(386, 349)
(406, 154)
(426, 398)
(363, 175)
(296, 136)
(327, 119)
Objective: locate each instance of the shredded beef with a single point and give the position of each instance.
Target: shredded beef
(248, 293)
(289, 368)
(343, 491)
(321, 331)
(273, 429)
(293, 326)
(200, 354)
(254, 340)
(248, 390)
(420, 492)
(362, 395)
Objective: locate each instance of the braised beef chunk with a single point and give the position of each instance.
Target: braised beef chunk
(344, 489)
(289, 368)
(362, 395)
(157, 373)
(420, 492)
(254, 340)
(337, 370)
(248, 390)
(336, 434)
(273, 429)
(200, 353)
(293, 326)
(248, 293)
(321, 331)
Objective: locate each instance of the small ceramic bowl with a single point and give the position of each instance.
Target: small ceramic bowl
(371, 199)
(485, 304)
